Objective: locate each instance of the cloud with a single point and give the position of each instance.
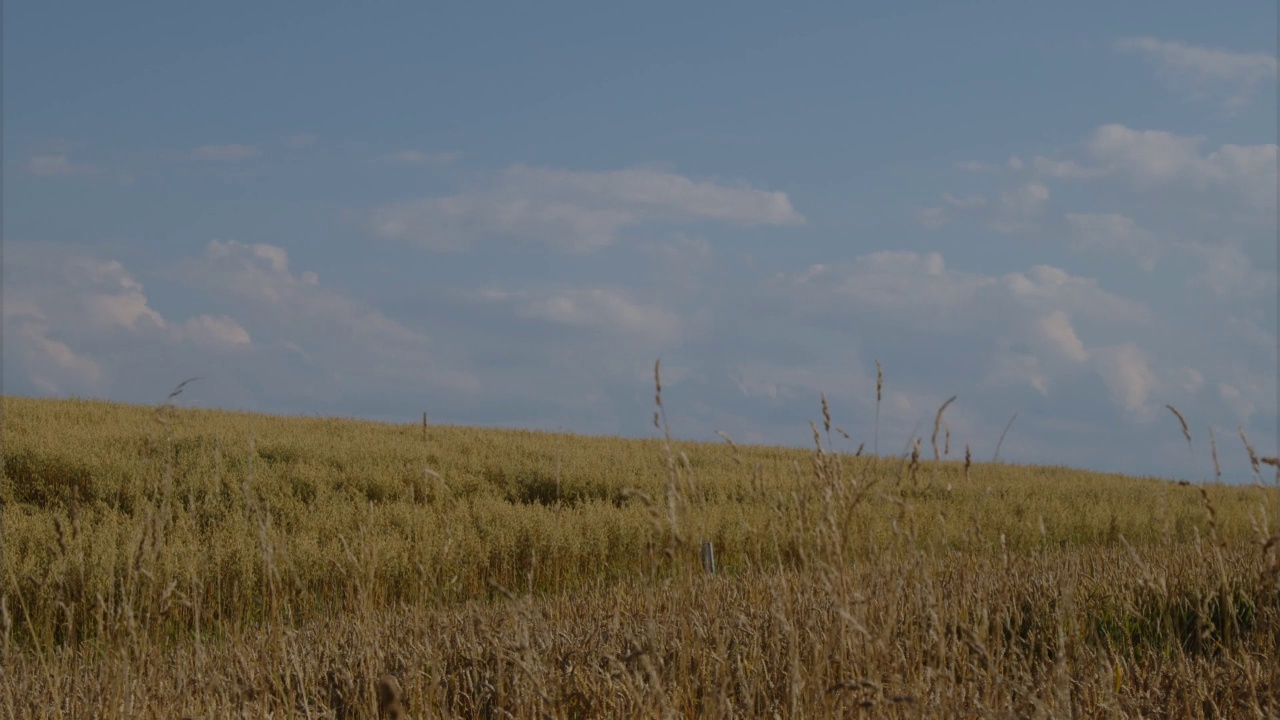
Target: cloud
(919, 291)
(1018, 210)
(71, 286)
(933, 218)
(1027, 321)
(964, 202)
(319, 336)
(225, 153)
(610, 310)
(72, 316)
(57, 166)
(1228, 274)
(52, 366)
(257, 278)
(1200, 73)
(1154, 158)
(1057, 336)
(215, 331)
(682, 260)
(1126, 370)
(576, 212)
(419, 158)
(1116, 232)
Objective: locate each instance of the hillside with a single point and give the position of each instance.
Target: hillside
(125, 527)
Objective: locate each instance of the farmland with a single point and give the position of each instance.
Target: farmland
(196, 563)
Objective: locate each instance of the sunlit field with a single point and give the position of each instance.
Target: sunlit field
(171, 562)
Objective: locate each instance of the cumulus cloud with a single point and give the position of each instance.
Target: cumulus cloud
(73, 315)
(1019, 209)
(1232, 78)
(1027, 321)
(577, 212)
(57, 166)
(682, 262)
(1126, 370)
(257, 278)
(1115, 232)
(1228, 274)
(1154, 158)
(1057, 336)
(225, 153)
(610, 310)
(215, 331)
(51, 365)
(933, 218)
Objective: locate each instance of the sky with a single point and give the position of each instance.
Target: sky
(504, 214)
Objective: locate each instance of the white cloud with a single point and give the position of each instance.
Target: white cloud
(225, 153)
(681, 251)
(1241, 406)
(1014, 368)
(610, 310)
(258, 278)
(1045, 288)
(1188, 380)
(51, 365)
(1116, 232)
(57, 166)
(216, 331)
(72, 316)
(1228, 274)
(933, 218)
(897, 286)
(72, 287)
(1126, 370)
(576, 211)
(919, 291)
(1154, 158)
(1014, 163)
(1232, 78)
(682, 261)
(1057, 336)
(1018, 210)
(1024, 324)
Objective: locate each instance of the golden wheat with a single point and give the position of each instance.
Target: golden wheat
(204, 564)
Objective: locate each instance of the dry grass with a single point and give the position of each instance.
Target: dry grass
(213, 564)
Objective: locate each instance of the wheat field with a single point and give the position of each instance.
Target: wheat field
(181, 563)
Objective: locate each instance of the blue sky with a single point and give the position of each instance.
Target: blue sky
(503, 214)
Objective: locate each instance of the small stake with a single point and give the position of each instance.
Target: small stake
(709, 558)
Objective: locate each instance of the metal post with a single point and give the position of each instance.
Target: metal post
(709, 558)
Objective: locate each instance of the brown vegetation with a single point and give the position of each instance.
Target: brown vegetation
(211, 564)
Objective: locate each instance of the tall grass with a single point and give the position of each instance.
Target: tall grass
(213, 564)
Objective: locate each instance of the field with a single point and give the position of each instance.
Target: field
(177, 562)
